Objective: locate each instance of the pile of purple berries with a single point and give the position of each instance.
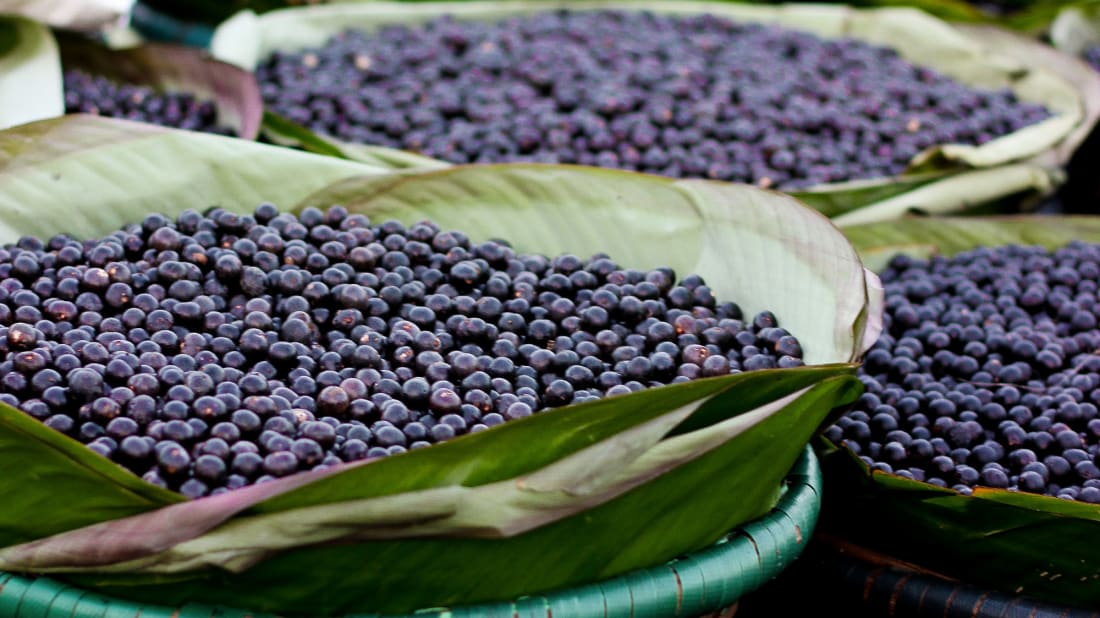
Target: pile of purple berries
(988, 373)
(222, 350)
(681, 96)
(92, 94)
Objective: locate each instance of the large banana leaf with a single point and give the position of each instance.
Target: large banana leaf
(928, 236)
(123, 170)
(30, 73)
(588, 491)
(458, 543)
(177, 69)
(84, 15)
(1063, 63)
(247, 38)
(948, 194)
(98, 490)
(1019, 543)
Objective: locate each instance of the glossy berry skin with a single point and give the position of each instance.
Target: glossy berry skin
(697, 97)
(991, 357)
(246, 348)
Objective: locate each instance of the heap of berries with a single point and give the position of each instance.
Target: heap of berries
(220, 350)
(93, 94)
(988, 373)
(696, 96)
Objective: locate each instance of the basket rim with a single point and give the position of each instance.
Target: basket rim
(703, 581)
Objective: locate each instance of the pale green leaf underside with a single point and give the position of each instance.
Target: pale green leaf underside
(30, 72)
(924, 237)
(1068, 67)
(957, 192)
(83, 15)
(725, 487)
(582, 451)
(571, 485)
(88, 176)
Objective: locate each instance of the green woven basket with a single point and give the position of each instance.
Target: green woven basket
(706, 581)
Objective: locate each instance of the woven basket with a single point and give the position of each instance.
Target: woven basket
(706, 582)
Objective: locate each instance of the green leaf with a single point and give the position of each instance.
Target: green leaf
(979, 60)
(923, 237)
(174, 68)
(479, 460)
(423, 488)
(1018, 543)
(835, 199)
(115, 172)
(653, 522)
(287, 133)
(1021, 544)
(85, 15)
(30, 73)
(1068, 66)
(957, 192)
(95, 488)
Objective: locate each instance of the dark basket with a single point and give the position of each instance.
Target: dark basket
(856, 583)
